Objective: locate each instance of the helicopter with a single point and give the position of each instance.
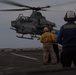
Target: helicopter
(32, 24)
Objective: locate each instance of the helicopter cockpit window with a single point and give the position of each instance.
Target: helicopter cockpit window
(21, 18)
(20, 14)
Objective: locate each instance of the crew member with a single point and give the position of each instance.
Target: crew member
(67, 38)
(47, 38)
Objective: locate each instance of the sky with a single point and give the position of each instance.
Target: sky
(54, 14)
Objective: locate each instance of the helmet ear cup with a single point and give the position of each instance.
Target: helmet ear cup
(70, 16)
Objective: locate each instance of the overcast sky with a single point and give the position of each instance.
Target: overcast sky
(55, 14)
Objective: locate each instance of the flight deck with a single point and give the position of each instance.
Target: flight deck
(25, 61)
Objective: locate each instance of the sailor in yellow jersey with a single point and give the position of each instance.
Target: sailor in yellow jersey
(47, 39)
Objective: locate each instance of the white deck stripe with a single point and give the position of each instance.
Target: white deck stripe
(24, 56)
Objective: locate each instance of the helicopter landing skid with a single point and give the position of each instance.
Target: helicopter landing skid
(25, 37)
(38, 38)
(13, 29)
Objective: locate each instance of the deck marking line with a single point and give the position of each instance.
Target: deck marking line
(24, 56)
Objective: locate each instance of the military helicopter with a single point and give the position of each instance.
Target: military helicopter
(33, 24)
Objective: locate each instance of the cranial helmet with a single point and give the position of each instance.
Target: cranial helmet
(45, 29)
(70, 16)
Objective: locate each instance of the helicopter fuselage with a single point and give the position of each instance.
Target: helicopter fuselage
(31, 25)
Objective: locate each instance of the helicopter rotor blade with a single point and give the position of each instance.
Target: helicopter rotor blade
(22, 9)
(21, 5)
(45, 7)
(31, 8)
(14, 3)
(43, 10)
(14, 9)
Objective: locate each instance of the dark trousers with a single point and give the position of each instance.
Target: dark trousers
(56, 50)
(68, 56)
